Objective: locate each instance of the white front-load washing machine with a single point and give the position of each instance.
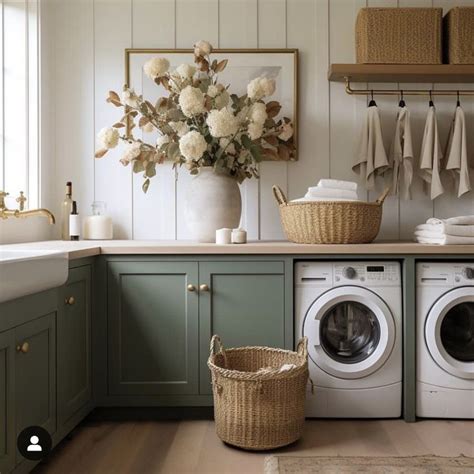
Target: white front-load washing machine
(351, 313)
(445, 340)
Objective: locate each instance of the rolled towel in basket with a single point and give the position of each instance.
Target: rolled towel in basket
(330, 193)
(337, 184)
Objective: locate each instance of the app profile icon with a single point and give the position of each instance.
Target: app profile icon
(34, 443)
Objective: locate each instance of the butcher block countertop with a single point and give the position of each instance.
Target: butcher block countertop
(90, 248)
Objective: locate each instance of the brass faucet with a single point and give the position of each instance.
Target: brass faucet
(6, 213)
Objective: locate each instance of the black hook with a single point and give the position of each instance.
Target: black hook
(431, 104)
(372, 101)
(402, 102)
(458, 102)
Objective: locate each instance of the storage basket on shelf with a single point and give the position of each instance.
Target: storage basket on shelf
(257, 405)
(458, 34)
(399, 36)
(330, 222)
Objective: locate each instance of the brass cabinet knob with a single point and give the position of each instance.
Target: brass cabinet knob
(25, 347)
(70, 300)
(191, 288)
(204, 287)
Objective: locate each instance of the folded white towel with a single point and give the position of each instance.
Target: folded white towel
(445, 240)
(329, 193)
(337, 184)
(447, 229)
(459, 220)
(315, 199)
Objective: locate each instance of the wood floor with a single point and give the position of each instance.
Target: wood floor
(192, 446)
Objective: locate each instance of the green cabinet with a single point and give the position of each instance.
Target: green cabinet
(74, 344)
(35, 374)
(242, 302)
(7, 394)
(152, 321)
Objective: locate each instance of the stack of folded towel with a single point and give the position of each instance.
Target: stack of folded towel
(453, 231)
(331, 190)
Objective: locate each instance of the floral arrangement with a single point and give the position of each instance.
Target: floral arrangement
(200, 123)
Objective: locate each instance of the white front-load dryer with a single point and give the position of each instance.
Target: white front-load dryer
(351, 313)
(445, 340)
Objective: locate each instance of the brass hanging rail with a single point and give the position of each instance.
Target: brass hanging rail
(398, 92)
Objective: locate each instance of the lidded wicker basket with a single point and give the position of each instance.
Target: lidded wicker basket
(330, 222)
(256, 405)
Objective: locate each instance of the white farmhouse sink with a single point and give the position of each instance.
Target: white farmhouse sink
(24, 272)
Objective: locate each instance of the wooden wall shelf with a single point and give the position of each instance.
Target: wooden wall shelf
(407, 73)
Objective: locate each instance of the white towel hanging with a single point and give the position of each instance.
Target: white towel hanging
(371, 159)
(401, 155)
(456, 153)
(431, 155)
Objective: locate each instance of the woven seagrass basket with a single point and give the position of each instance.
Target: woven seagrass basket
(399, 36)
(258, 409)
(330, 222)
(458, 35)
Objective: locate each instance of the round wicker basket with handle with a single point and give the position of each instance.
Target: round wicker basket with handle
(257, 406)
(330, 222)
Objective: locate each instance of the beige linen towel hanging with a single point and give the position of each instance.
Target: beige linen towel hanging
(431, 155)
(456, 153)
(371, 159)
(401, 155)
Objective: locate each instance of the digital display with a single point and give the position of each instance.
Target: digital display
(376, 268)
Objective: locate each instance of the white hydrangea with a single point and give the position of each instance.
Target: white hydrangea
(202, 48)
(226, 145)
(108, 137)
(162, 140)
(156, 67)
(212, 91)
(258, 113)
(260, 87)
(192, 145)
(222, 100)
(130, 98)
(191, 101)
(185, 71)
(286, 132)
(255, 130)
(222, 123)
(181, 128)
(132, 152)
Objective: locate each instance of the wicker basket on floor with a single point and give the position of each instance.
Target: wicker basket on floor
(257, 406)
(330, 222)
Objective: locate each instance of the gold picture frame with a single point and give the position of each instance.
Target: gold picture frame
(288, 68)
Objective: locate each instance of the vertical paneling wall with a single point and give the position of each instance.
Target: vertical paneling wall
(90, 36)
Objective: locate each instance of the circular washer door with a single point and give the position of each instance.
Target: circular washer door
(351, 332)
(449, 332)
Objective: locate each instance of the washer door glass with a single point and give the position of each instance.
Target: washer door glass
(457, 332)
(350, 332)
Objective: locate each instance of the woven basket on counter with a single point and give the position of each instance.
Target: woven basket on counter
(458, 32)
(330, 222)
(258, 409)
(399, 36)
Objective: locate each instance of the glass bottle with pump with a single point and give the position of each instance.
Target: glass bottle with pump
(66, 209)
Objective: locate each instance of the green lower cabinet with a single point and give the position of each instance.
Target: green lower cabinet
(244, 305)
(7, 396)
(74, 344)
(152, 320)
(35, 375)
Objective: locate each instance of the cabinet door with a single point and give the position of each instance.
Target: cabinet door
(152, 328)
(35, 374)
(245, 306)
(74, 344)
(7, 395)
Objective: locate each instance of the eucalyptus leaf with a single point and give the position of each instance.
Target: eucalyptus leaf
(137, 166)
(150, 169)
(146, 185)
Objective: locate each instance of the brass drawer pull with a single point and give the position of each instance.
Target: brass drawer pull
(25, 347)
(70, 301)
(204, 287)
(191, 288)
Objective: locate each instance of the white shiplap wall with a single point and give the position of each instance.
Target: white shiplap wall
(89, 39)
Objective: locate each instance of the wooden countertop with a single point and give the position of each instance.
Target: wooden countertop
(85, 248)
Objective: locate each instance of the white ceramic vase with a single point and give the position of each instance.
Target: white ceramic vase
(212, 202)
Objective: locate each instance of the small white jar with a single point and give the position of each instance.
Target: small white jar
(239, 236)
(223, 236)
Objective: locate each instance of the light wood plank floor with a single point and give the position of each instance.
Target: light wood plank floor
(192, 446)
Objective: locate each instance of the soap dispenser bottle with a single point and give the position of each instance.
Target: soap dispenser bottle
(66, 209)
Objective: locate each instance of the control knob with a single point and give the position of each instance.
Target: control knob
(469, 273)
(349, 272)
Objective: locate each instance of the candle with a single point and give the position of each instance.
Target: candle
(98, 226)
(223, 236)
(239, 236)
